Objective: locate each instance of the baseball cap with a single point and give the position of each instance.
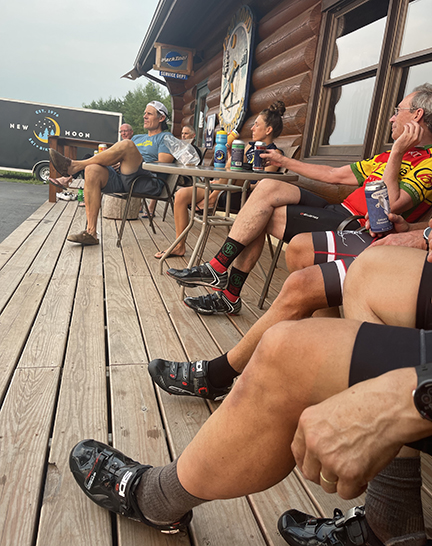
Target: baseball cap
(161, 108)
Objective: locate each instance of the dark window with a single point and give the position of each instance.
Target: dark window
(200, 112)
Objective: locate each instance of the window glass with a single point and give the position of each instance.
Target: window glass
(360, 37)
(348, 113)
(417, 27)
(418, 75)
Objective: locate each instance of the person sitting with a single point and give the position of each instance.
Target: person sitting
(100, 177)
(268, 126)
(284, 210)
(310, 379)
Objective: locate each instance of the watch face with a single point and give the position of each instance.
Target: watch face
(236, 70)
(423, 399)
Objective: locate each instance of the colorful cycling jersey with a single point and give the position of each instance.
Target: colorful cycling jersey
(415, 177)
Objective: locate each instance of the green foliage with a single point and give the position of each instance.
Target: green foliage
(13, 176)
(133, 104)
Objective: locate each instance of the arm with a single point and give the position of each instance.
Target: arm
(410, 137)
(165, 158)
(353, 435)
(322, 173)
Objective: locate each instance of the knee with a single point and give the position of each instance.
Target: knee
(94, 173)
(294, 295)
(183, 197)
(300, 252)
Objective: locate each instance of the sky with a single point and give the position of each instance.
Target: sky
(70, 52)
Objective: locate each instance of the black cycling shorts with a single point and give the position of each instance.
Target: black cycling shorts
(380, 348)
(314, 213)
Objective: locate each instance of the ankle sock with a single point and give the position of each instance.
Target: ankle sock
(393, 504)
(236, 281)
(220, 373)
(226, 255)
(161, 497)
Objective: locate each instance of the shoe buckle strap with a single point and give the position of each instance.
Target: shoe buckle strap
(352, 520)
(94, 471)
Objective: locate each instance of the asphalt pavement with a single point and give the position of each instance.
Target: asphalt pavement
(17, 202)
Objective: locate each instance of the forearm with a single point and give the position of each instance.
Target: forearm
(322, 173)
(391, 180)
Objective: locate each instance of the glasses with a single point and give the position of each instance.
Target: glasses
(397, 110)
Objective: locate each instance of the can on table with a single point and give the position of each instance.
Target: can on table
(260, 147)
(378, 206)
(102, 147)
(237, 155)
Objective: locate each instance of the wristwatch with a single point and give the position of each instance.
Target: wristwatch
(423, 393)
(426, 234)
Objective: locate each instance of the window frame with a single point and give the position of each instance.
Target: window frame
(388, 73)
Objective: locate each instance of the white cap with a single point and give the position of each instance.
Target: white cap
(161, 108)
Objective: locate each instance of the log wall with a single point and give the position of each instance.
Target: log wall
(285, 48)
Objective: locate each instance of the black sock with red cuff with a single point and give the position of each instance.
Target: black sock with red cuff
(236, 281)
(226, 255)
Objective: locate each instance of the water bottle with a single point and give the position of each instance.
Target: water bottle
(80, 195)
(220, 152)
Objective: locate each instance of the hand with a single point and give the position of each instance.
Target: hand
(412, 135)
(273, 157)
(401, 235)
(353, 435)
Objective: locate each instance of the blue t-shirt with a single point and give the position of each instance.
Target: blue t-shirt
(151, 146)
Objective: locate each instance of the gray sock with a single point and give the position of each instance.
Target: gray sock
(393, 504)
(161, 497)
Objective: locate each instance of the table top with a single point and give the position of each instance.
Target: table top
(211, 172)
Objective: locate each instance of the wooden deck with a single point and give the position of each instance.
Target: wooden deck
(77, 329)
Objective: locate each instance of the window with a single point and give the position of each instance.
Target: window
(374, 52)
(200, 112)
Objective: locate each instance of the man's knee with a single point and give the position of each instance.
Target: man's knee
(300, 252)
(95, 174)
(301, 293)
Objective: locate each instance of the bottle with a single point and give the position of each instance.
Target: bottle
(80, 195)
(231, 137)
(220, 152)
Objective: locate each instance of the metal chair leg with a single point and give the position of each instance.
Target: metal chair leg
(270, 274)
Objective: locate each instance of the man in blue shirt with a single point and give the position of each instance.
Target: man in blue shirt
(100, 177)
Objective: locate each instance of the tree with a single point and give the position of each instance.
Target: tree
(133, 104)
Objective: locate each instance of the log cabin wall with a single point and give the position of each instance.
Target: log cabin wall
(285, 45)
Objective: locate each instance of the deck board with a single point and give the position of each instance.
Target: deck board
(78, 327)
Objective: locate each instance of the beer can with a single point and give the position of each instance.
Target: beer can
(95, 152)
(260, 147)
(233, 135)
(237, 155)
(378, 206)
(102, 147)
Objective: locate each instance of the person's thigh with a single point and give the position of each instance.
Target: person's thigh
(302, 218)
(113, 183)
(382, 285)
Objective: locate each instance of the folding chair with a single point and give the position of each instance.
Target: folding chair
(166, 195)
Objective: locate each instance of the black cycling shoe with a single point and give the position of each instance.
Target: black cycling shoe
(110, 478)
(185, 378)
(299, 529)
(216, 303)
(200, 275)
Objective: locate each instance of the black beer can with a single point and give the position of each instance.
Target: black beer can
(260, 147)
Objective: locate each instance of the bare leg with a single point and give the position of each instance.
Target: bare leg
(258, 210)
(182, 199)
(124, 152)
(382, 285)
(96, 177)
(302, 293)
(300, 252)
(245, 446)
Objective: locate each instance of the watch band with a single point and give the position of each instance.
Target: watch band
(426, 234)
